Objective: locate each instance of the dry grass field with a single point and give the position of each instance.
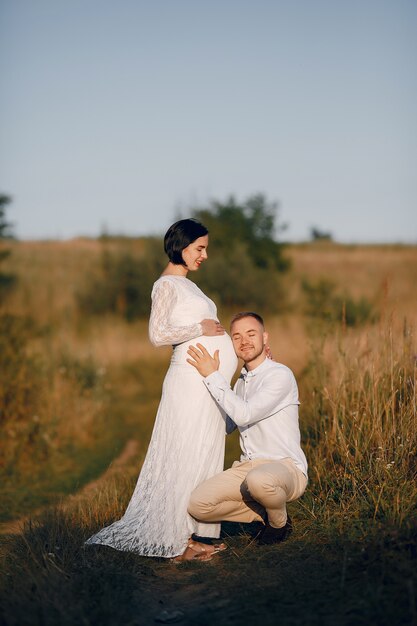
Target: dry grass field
(80, 387)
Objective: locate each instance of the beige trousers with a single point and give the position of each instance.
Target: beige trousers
(249, 491)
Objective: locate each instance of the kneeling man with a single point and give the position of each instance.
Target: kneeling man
(264, 407)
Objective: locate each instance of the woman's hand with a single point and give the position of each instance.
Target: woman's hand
(212, 328)
(269, 353)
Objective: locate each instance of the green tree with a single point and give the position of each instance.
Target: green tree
(5, 226)
(6, 280)
(317, 234)
(246, 259)
(252, 223)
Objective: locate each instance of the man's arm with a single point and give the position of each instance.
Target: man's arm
(206, 365)
(267, 401)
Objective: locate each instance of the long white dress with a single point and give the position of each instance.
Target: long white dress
(187, 444)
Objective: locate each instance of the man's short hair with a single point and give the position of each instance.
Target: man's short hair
(243, 314)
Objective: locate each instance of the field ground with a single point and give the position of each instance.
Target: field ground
(318, 576)
(351, 559)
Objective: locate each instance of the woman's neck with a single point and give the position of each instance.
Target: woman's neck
(174, 270)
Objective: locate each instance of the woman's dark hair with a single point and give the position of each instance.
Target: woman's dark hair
(179, 236)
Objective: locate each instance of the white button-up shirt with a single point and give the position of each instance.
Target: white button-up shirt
(263, 405)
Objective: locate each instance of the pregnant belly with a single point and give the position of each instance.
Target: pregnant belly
(223, 343)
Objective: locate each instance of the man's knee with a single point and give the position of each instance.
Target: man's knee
(260, 484)
(198, 505)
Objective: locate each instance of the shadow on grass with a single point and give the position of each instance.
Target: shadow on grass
(315, 577)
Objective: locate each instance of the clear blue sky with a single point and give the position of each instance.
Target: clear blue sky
(126, 113)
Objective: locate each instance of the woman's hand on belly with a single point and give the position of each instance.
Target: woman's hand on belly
(201, 359)
(211, 328)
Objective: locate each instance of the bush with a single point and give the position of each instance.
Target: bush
(20, 393)
(240, 284)
(84, 373)
(123, 283)
(323, 304)
(19, 388)
(7, 281)
(354, 312)
(319, 298)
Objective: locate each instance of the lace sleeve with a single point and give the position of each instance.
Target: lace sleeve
(161, 333)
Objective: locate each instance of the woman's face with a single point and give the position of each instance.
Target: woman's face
(194, 254)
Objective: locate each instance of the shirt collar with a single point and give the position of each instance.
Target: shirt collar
(248, 374)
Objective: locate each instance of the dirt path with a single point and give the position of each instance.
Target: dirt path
(15, 527)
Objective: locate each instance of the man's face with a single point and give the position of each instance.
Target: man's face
(249, 339)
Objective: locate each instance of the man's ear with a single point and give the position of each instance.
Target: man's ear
(265, 338)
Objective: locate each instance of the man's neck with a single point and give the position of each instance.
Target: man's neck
(251, 365)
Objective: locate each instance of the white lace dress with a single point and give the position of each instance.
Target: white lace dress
(187, 444)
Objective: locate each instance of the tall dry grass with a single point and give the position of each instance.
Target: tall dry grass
(360, 428)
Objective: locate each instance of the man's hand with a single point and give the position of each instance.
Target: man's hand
(203, 362)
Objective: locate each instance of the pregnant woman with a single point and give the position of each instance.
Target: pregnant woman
(187, 444)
